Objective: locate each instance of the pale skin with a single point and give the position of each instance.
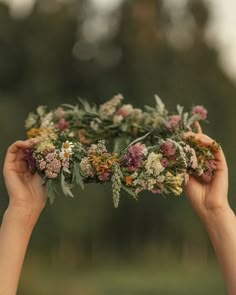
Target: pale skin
(27, 198)
(210, 201)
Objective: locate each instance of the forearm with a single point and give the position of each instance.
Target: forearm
(15, 233)
(221, 227)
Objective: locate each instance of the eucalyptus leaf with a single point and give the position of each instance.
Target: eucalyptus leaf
(65, 186)
(52, 192)
(77, 177)
(129, 191)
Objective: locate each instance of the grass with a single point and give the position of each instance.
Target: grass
(121, 278)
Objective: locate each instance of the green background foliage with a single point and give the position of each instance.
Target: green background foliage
(66, 49)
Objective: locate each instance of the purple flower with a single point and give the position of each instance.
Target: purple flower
(133, 159)
(168, 148)
(173, 122)
(29, 158)
(201, 111)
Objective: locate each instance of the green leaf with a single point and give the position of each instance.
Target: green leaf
(87, 107)
(139, 139)
(65, 187)
(120, 143)
(69, 106)
(52, 192)
(77, 177)
(129, 191)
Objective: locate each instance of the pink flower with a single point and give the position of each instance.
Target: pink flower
(53, 168)
(173, 122)
(65, 163)
(42, 165)
(138, 150)
(160, 189)
(62, 124)
(125, 110)
(49, 157)
(105, 176)
(211, 165)
(168, 148)
(60, 113)
(164, 162)
(207, 176)
(201, 111)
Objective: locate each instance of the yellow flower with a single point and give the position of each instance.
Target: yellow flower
(34, 132)
(45, 147)
(175, 182)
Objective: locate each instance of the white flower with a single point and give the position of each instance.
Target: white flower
(66, 150)
(108, 109)
(161, 178)
(86, 167)
(153, 165)
(134, 175)
(31, 120)
(71, 134)
(41, 110)
(94, 125)
(117, 119)
(150, 183)
(47, 120)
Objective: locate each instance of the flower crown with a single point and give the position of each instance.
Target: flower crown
(133, 149)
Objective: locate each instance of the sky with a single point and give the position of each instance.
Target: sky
(222, 30)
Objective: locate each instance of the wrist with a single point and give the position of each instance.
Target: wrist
(214, 219)
(24, 216)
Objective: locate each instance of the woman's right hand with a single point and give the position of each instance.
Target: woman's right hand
(209, 198)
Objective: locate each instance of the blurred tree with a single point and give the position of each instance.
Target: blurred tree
(144, 48)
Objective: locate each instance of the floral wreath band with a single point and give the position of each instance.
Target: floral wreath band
(133, 149)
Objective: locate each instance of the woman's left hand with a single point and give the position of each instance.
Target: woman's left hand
(25, 189)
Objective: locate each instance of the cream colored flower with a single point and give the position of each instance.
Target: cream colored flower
(153, 165)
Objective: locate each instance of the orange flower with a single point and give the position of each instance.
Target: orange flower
(128, 180)
(103, 164)
(34, 132)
